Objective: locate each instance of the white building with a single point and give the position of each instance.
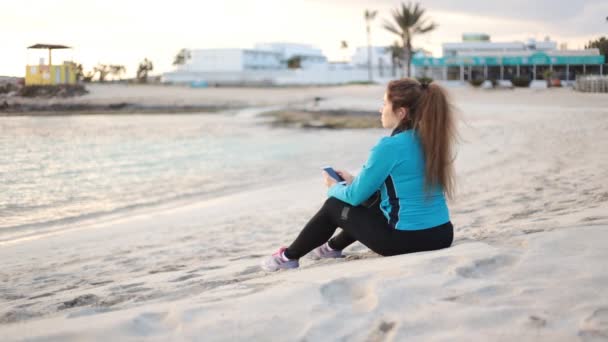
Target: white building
(212, 60)
(480, 44)
(267, 56)
(308, 55)
(263, 64)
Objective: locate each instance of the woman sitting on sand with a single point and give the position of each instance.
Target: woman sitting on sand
(412, 171)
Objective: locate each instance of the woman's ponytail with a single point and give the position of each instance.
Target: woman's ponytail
(430, 114)
(437, 130)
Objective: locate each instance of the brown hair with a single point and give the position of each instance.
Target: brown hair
(430, 114)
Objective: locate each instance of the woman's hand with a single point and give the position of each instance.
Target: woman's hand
(347, 176)
(329, 182)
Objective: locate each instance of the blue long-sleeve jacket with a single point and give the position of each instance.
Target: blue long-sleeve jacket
(396, 167)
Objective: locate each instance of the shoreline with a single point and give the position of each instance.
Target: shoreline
(282, 117)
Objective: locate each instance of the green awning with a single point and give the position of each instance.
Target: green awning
(535, 59)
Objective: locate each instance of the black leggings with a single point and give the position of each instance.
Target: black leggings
(368, 226)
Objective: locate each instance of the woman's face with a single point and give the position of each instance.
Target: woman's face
(389, 118)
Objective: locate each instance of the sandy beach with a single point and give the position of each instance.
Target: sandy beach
(528, 261)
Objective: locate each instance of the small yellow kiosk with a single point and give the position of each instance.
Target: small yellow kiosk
(49, 74)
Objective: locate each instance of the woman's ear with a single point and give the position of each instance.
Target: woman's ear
(402, 113)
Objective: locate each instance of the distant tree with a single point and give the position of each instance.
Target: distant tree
(88, 76)
(144, 68)
(295, 62)
(369, 16)
(601, 44)
(182, 57)
(102, 70)
(408, 22)
(396, 52)
(344, 47)
(78, 70)
(117, 70)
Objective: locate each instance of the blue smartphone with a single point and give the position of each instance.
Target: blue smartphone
(333, 174)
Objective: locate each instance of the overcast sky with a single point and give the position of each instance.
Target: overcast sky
(126, 31)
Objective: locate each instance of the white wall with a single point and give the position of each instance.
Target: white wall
(378, 53)
(214, 60)
(258, 59)
(316, 76)
(288, 50)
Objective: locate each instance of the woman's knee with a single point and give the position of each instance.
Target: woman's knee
(333, 203)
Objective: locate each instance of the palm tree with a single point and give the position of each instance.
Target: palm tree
(396, 52)
(117, 70)
(143, 69)
(103, 70)
(408, 22)
(369, 16)
(344, 46)
(182, 57)
(78, 70)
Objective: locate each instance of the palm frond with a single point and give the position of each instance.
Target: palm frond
(391, 28)
(426, 29)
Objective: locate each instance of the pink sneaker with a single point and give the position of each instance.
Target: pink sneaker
(276, 262)
(325, 252)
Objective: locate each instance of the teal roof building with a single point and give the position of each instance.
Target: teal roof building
(476, 57)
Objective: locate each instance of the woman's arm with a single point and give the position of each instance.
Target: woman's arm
(375, 171)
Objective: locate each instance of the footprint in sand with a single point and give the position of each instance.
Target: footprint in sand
(251, 256)
(18, 315)
(126, 286)
(205, 268)
(185, 277)
(10, 297)
(167, 268)
(533, 230)
(536, 321)
(47, 294)
(248, 270)
(523, 214)
(87, 299)
(594, 218)
(595, 327)
(483, 294)
(381, 331)
(486, 266)
(358, 292)
(102, 282)
(151, 323)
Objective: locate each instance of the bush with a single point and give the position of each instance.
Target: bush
(7, 88)
(61, 90)
(520, 81)
(477, 82)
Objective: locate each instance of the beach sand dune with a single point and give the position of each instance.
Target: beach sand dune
(528, 262)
